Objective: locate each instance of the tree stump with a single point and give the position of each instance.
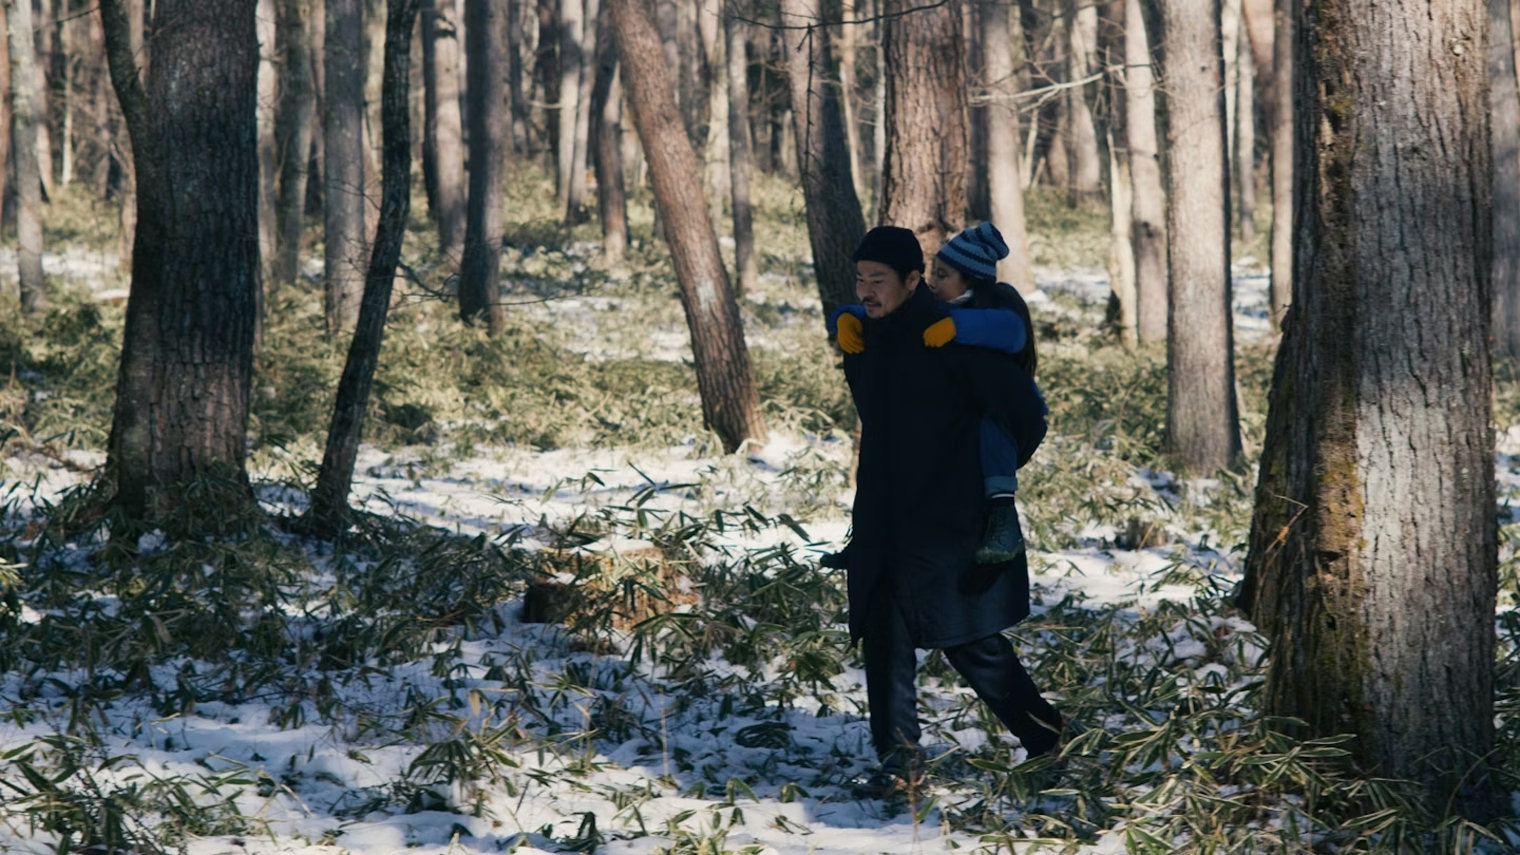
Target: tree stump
(609, 584)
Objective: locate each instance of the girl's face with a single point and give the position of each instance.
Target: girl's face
(946, 282)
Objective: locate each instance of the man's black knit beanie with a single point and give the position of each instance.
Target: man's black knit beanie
(894, 246)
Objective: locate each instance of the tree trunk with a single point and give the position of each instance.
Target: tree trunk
(25, 119)
(978, 198)
(741, 154)
(715, 181)
(879, 128)
(1504, 109)
(849, 92)
(606, 112)
(924, 185)
(1121, 252)
(1245, 139)
(1282, 162)
(835, 224)
(5, 110)
(575, 202)
(329, 501)
(316, 171)
(42, 49)
(516, 97)
(1203, 425)
(343, 128)
(68, 71)
(1085, 165)
(293, 138)
(1148, 226)
(730, 404)
(269, 99)
(126, 232)
(443, 134)
(572, 26)
(480, 272)
(187, 350)
(1373, 540)
(546, 81)
(1003, 144)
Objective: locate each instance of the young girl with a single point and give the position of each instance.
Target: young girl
(987, 313)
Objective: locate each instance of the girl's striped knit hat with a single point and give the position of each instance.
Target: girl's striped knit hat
(975, 252)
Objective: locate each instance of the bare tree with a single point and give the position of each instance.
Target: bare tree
(1245, 137)
(1147, 202)
(924, 182)
(480, 271)
(1085, 179)
(575, 202)
(1282, 161)
(329, 501)
(1003, 168)
(345, 237)
(730, 404)
(1504, 104)
(443, 133)
(187, 349)
(1203, 425)
(5, 106)
(607, 152)
(849, 91)
(835, 223)
(1372, 565)
(572, 27)
(292, 137)
(741, 161)
(24, 122)
(268, 105)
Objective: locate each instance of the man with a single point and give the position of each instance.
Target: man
(919, 505)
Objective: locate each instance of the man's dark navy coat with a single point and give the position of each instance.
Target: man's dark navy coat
(919, 502)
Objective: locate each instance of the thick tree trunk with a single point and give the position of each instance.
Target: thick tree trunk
(1121, 251)
(329, 501)
(1373, 546)
(126, 232)
(1003, 144)
(1504, 107)
(187, 349)
(1282, 162)
(606, 112)
(924, 185)
(730, 404)
(1245, 139)
(443, 133)
(1203, 425)
(347, 243)
(835, 223)
(741, 158)
(715, 181)
(24, 122)
(575, 202)
(480, 274)
(572, 25)
(293, 138)
(1148, 204)
(1085, 164)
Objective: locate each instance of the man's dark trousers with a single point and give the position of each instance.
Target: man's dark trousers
(989, 664)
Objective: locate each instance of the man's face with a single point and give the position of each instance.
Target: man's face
(880, 289)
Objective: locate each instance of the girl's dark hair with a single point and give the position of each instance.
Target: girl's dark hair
(1008, 297)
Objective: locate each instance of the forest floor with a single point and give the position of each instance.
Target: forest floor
(278, 693)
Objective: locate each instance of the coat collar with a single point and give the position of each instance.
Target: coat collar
(910, 319)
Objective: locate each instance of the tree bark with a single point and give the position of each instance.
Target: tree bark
(516, 97)
(606, 112)
(187, 350)
(575, 202)
(5, 109)
(1245, 139)
(572, 26)
(1085, 165)
(343, 128)
(293, 138)
(741, 158)
(924, 185)
(835, 223)
(546, 80)
(480, 274)
(730, 404)
(329, 501)
(443, 133)
(1373, 544)
(126, 232)
(1282, 162)
(1003, 144)
(316, 169)
(24, 122)
(1147, 204)
(1203, 425)
(849, 92)
(42, 49)
(1504, 106)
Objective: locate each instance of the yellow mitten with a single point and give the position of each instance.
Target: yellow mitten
(849, 334)
(940, 333)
